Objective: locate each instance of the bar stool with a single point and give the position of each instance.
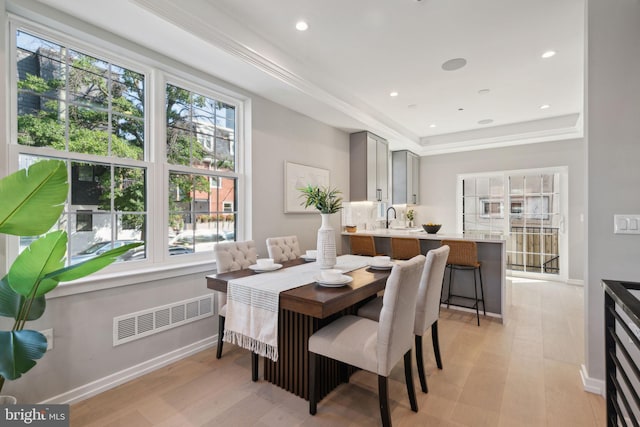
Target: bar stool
(363, 245)
(404, 247)
(463, 255)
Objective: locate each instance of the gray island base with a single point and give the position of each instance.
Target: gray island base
(491, 254)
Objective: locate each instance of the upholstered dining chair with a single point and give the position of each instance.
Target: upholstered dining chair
(404, 247)
(374, 346)
(427, 307)
(362, 245)
(231, 256)
(283, 248)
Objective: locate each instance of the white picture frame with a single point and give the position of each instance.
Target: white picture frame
(298, 176)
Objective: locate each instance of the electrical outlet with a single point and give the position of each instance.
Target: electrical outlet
(48, 333)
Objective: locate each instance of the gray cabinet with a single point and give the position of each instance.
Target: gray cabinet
(369, 167)
(405, 167)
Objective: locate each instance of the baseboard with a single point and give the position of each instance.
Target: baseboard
(98, 386)
(575, 282)
(590, 384)
(470, 310)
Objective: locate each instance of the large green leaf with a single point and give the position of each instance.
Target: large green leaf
(11, 303)
(90, 266)
(40, 258)
(19, 351)
(33, 199)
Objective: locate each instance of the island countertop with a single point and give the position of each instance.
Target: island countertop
(421, 234)
(491, 254)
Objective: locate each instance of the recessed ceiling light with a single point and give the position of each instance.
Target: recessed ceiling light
(394, 93)
(432, 125)
(484, 91)
(485, 121)
(548, 54)
(545, 106)
(302, 26)
(412, 105)
(460, 109)
(454, 64)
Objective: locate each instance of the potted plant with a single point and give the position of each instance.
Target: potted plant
(31, 202)
(411, 216)
(328, 201)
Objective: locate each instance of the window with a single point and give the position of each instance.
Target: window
(93, 112)
(201, 137)
(89, 112)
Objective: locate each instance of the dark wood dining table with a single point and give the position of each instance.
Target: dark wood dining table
(302, 311)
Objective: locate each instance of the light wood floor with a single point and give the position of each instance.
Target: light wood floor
(522, 373)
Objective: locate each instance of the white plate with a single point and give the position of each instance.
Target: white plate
(258, 269)
(381, 267)
(306, 258)
(341, 281)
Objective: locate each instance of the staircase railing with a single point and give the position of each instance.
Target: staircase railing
(622, 348)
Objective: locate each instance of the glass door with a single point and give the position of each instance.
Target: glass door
(535, 221)
(525, 207)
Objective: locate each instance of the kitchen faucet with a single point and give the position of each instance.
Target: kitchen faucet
(394, 215)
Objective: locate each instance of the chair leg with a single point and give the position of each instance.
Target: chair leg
(475, 289)
(450, 284)
(383, 397)
(482, 291)
(254, 366)
(420, 364)
(408, 378)
(220, 335)
(312, 384)
(436, 343)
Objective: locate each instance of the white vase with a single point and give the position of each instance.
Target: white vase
(326, 245)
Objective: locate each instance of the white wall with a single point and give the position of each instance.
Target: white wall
(613, 149)
(280, 135)
(438, 184)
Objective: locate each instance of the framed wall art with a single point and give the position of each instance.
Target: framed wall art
(298, 176)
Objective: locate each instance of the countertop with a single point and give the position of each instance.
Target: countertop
(421, 234)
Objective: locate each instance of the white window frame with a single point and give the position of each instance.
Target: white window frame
(158, 264)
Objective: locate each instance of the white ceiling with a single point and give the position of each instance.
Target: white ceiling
(355, 52)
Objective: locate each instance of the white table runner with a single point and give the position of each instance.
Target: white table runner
(253, 302)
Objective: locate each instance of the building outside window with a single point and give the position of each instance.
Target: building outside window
(91, 112)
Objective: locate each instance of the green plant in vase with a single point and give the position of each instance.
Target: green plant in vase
(411, 216)
(31, 201)
(328, 201)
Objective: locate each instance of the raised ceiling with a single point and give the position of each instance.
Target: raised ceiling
(342, 70)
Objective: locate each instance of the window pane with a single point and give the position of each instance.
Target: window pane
(71, 101)
(200, 130)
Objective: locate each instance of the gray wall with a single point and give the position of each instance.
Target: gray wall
(280, 135)
(613, 149)
(438, 184)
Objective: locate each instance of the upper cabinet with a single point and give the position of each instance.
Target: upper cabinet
(406, 177)
(369, 167)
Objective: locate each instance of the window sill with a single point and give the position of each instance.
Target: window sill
(98, 282)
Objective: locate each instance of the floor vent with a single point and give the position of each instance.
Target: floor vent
(148, 322)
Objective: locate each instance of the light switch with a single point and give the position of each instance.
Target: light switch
(626, 224)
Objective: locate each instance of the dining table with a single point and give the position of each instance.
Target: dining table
(302, 311)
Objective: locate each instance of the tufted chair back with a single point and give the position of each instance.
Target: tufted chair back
(232, 256)
(283, 248)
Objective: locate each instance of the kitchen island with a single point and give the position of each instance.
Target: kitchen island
(491, 254)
